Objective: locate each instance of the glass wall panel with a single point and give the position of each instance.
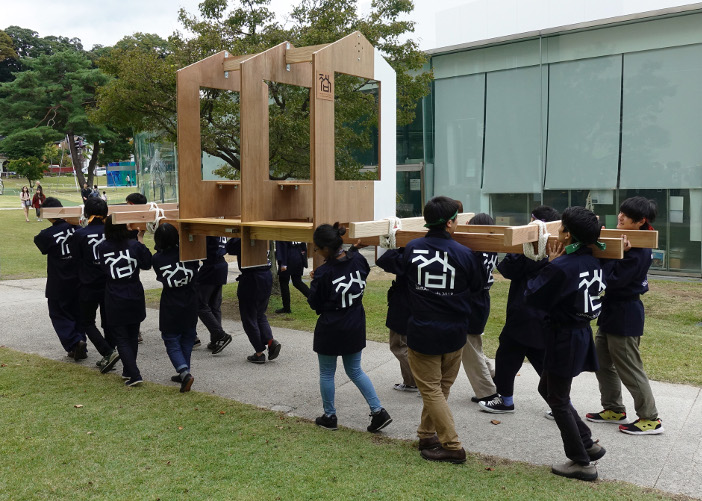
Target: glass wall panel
(583, 124)
(156, 164)
(662, 119)
(513, 136)
(459, 106)
(513, 209)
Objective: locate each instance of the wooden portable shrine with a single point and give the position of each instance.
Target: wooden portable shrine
(255, 207)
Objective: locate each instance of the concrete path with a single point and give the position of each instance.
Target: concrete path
(671, 462)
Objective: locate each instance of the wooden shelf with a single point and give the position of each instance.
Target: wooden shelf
(295, 184)
(221, 184)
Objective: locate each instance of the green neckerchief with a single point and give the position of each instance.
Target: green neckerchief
(441, 221)
(577, 244)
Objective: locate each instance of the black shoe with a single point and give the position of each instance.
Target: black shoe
(283, 310)
(110, 362)
(444, 455)
(176, 378)
(80, 351)
(221, 343)
(186, 383)
(198, 343)
(327, 422)
(274, 350)
(257, 359)
(379, 420)
(211, 345)
(135, 381)
(484, 399)
(139, 338)
(496, 406)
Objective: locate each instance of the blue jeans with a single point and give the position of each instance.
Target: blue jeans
(179, 348)
(352, 366)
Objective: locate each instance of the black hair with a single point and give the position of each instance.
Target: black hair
(439, 210)
(328, 236)
(582, 224)
(52, 202)
(166, 237)
(115, 232)
(95, 186)
(640, 208)
(482, 219)
(136, 198)
(95, 207)
(545, 213)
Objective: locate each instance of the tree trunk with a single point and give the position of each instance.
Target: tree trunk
(77, 167)
(93, 162)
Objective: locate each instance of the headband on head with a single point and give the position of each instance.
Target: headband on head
(441, 221)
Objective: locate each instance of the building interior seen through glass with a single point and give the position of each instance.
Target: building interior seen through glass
(586, 118)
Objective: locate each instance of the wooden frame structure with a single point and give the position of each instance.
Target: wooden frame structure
(257, 208)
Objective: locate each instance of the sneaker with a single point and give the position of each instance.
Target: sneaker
(257, 359)
(125, 377)
(484, 399)
(606, 416)
(596, 451)
(496, 406)
(404, 387)
(211, 345)
(379, 420)
(571, 469)
(187, 383)
(221, 343)
(197, 343)
(80, 351)
(444, 455)
(110, 362)
(139, 338)
(135, 381)
(643, 427)
(274, 350)
(327, 422)
(549, 415)
(283, 310)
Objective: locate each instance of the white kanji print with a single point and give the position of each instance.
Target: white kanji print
(94, 240)
(490, 262)
(121, 265)
(444, 281)
(62, 239)
(347, 296)
(591, 297)
(177, 275)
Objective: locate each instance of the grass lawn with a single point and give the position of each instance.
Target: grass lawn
(84, 436)
(62, 187)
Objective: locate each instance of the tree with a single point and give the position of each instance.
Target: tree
(50, 100)
(30, 167)
(142, 95)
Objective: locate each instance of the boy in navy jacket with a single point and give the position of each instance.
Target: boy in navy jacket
(292, 261)
(92, 277)
(442, 275)
(523, 332)
(62, 283)
(621, 326)
(568, 291)
(212, 276)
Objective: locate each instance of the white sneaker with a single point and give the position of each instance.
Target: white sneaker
(404, 387)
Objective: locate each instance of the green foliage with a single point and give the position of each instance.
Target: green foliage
(28, 142)
(142, 94)
(7, 48)
(31, 167)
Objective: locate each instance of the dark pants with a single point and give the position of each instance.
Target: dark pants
(127, 339)
(179, 347)
(284, 278)
(210, 309)
(88, 313)
(253, 292)
(64, 317)
(509, 359)
(575, 434)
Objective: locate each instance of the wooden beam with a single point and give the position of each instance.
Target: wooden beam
(209, 227)
(141, 216)
(516, 235)
(233, 63)
(646, 239)
(377, 228)
(302, 54)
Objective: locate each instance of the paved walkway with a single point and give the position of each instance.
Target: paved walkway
(671, 462)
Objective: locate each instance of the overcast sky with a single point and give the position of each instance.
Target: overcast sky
(105, 22)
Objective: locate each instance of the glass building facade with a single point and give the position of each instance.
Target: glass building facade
(578, 117)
